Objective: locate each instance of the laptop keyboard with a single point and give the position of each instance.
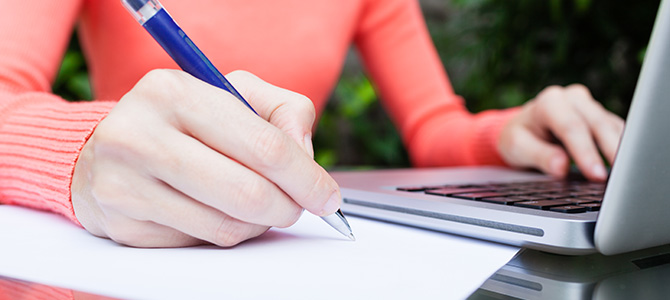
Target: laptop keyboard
(558, 196)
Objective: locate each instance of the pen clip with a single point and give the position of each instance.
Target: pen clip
(142, 10)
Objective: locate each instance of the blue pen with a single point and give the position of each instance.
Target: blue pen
(155, 19)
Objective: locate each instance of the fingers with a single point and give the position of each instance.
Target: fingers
(145, 234)
(605, 126)
(582, 126)
(181, 232)
(167, 218)
(226, 127)
(141, 211)
(178, 162)
(221, 183)
(560, 115)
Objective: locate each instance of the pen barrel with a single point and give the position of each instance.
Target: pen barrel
(186, 54)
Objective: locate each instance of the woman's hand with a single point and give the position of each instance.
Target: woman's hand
(178, 162)
(562, 122)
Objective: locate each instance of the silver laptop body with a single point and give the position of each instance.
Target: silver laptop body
(635, 212)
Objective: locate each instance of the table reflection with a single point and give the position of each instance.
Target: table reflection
(538, 275)
(18, 289)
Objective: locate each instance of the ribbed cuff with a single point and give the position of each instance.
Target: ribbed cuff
(40, 141)
(484, 143)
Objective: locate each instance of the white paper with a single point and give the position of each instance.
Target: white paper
(309, 260)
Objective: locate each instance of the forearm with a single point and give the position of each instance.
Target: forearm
(459, 138)
(433, 121)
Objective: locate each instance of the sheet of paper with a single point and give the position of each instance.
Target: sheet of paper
(306, 261)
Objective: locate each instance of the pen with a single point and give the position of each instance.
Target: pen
(155, 19)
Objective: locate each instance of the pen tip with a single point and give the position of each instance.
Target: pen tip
(352, 237)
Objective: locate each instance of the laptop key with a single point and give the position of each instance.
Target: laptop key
(580, 201)
(591, 206)
(451, 191)
(550, 196)
(478, 195)
(592, 198)
(542, 204)
(502, 200)
(412, 188)
(531, 197)
(570, 209)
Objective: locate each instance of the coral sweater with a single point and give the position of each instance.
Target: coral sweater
(296, 44)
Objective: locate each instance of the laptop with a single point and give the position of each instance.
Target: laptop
(630, 212)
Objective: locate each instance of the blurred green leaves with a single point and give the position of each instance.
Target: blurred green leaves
(502, 53)
(72, 82)
(354, 130)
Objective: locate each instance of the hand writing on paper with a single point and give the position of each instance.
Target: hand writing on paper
(178, 162)
(571, 115)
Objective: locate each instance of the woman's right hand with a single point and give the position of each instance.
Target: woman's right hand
(179, 162)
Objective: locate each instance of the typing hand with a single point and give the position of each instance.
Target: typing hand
(178, 162)
(562, 115)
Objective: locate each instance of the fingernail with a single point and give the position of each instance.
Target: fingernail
(332, 205)
(599, 171)
(307, 140)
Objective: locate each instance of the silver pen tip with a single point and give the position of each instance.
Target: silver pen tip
(352, 237)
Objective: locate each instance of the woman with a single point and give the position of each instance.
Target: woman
(177, 162)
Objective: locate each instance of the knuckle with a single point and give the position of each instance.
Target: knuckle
(250, 200)
(550, 91)
(578, 88)
(160, 87)
(305, 106)
(241, 74)
(162, 76)
(270, 147)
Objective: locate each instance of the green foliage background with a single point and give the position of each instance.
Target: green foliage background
(498, 53)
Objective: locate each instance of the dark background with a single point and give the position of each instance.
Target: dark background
(498, 53)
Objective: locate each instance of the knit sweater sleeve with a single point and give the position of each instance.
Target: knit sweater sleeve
(41, 134)
(435, 125)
